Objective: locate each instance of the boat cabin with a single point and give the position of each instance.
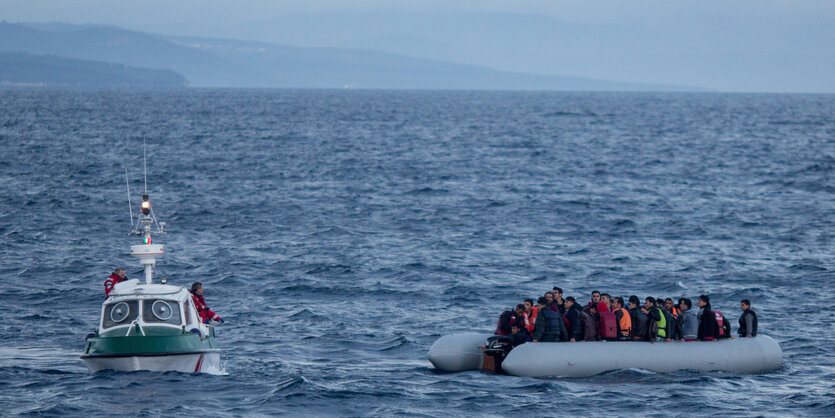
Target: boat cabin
(134, 309)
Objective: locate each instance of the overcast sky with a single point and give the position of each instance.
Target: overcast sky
(136, 13)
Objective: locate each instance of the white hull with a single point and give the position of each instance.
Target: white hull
(187, 363)
(741, 355)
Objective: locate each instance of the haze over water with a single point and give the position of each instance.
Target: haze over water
(340, 233)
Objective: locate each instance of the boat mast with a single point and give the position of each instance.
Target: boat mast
(147, 252)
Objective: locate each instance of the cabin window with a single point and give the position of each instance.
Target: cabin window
(160, 311)
(120, 313)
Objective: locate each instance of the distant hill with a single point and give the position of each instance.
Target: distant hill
(40, 70)
(226, 63)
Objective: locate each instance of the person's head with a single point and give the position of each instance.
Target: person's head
(197, 288)
(595, 297)
(668, 303)
(120, 271)
(605, 298)
(569, 302)
(704, 300)
(649, 302)
(618, 302)
(520, 309)
(528, 304)
(745, 304)
(542, 302)
(549, 297)
(659, 301)
(515, 328)
(685, 304)
(557, 293)
(634, 302)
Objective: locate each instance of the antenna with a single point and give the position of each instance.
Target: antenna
(145, 164)
(130, 209)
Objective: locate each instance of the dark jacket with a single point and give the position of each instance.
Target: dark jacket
(550, 327)
(589, 327)
(748, 323)
(708, 327)
(575, 324)
(671, 322)
(640, 324)
(688, 323)
(520, 338)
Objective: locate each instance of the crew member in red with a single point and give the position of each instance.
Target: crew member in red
(200, 303)
(118, 276)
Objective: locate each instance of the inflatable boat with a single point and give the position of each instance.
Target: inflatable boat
(461, 352)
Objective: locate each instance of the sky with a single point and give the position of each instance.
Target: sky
(136, 13)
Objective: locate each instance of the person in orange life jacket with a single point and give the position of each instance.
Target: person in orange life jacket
(670, 328)
(747, 321)
(518, 334)
(595, 299)
(118, 276)
(708, 327)
(688, 321)
(605, 298)
(671, 308)
(640, 320)
(624, 320)
(557, 292)
(200, 303)
(529, 316)
(575, 324)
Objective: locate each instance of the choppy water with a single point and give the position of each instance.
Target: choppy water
(341, 233)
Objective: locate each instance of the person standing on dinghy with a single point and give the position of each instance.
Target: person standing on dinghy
(200, 303)
(118, 276)
(550, 324)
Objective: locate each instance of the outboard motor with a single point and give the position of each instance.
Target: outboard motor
(495, 351)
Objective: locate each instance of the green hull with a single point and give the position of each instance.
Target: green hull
(155, 342)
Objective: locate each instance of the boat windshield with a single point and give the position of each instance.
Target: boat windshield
(120, 313)
(161, 311)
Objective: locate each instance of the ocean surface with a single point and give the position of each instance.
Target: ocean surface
(340, 233)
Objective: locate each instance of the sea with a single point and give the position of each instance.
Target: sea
(340, 233)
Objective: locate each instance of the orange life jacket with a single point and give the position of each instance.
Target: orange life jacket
(625, 322)
(530, 322)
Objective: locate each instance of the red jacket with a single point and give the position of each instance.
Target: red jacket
(110, 282)
(203, 310)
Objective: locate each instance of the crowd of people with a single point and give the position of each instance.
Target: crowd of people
(557, 319)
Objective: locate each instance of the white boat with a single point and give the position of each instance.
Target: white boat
(148, 326)
(461, 352)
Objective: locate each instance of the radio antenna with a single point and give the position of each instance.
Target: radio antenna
(145, 164)
(130, 208)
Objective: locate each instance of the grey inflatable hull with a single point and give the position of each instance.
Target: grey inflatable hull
(740, 355)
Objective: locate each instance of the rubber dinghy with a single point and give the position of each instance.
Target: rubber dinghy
(461, 352)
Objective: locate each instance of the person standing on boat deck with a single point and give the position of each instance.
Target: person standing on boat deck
(624, 321)
(550, 325)
(118, 276)
(688, 321)
(595, 299)
(708, 327)
(575, 324)
(607, 300)
(640, 320)
(558, 300)
(200, 303)
(530, 315)
(670, 330)
(589, 318)
(748, 320)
